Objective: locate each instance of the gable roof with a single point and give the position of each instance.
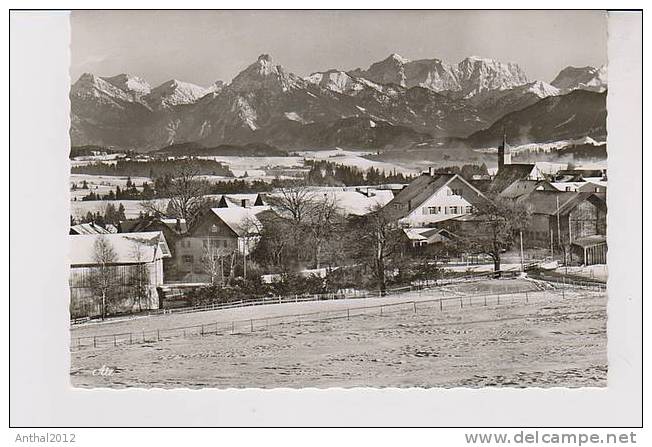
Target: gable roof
(242, 221)
(130, 248)
(559, 202)
(420, 190)
(523, 187)
(145, 224)
(508, 174)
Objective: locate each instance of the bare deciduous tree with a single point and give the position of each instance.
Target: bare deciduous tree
(102, 278)
(186, 193)
(498, 222)
(139, 273)
(375, 238)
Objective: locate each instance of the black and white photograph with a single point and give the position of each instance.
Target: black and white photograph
(327, 218)
(400, 212)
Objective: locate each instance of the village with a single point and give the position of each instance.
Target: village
(299, 239)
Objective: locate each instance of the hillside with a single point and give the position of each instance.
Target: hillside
(575, 115)
(247, 150)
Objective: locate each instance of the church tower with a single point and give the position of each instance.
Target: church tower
(504, 153)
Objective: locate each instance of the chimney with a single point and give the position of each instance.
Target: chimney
(177, 226)
(430, 170)
(243, 202)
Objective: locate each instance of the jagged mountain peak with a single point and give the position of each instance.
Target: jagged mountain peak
(582, 78)
(129, 83)
(398, 58)
(264, 74)
(174, 92)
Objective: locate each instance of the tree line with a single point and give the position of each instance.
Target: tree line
(152, 168)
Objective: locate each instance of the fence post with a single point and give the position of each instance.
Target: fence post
(526, 298)
(232, 327)
(498, 297)
(143, 335)
(158, 335)
(485, 300)
(347, 313)
(415, 306)
(130, 338)
(252, 324)
(441, 305)
(94, 341)
(381, 311)
(461, 304)
(202, 330)
(115, 343)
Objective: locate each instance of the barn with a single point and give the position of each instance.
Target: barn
(134, 270)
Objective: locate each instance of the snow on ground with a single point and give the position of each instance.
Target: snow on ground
(102, 184)
(598, 271)
(132, 207)
(546, 147)
(548, 341)
(260, 168)
(356, 159)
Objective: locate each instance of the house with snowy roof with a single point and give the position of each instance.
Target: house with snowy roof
(223, 232)
(135, 266)
(433, 198)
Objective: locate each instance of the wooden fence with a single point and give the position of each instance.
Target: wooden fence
(264, 323)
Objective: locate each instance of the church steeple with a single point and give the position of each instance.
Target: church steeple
(504, 153)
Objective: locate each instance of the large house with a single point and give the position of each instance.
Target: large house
(433, 198)
(223, 231)
(136, 270)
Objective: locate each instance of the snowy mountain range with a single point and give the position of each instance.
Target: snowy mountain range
(393, 104)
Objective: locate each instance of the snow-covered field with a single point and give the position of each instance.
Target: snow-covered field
(102, 184)
(546, 147)
(356, 159)
(132, 207)
(259, 167)
(547, 341)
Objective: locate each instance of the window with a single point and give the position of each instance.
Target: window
(188, 259)
(454, 210)
(456, 191)
(214, 228)
(434, 209)
(469, 209)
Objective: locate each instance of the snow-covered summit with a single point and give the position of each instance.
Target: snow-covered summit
(581, 78)
(174, 92)
(264, 74)
(130, 84)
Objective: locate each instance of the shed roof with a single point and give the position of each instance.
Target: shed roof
(88, 228)
(590, 241)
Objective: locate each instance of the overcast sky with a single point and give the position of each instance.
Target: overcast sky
(205, 46)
